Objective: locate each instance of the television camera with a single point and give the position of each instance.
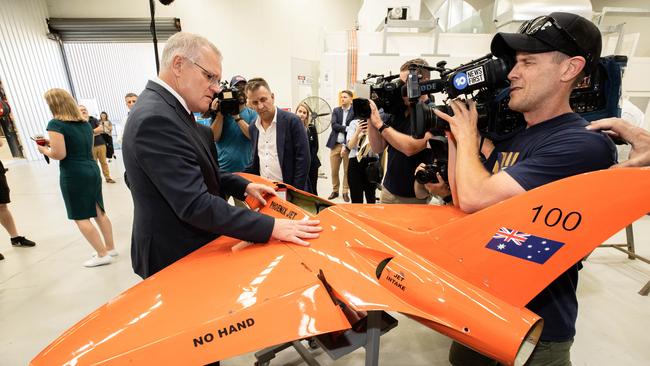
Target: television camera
(230, 99)
(486, 81)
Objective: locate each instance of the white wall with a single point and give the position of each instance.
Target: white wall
(256, 37)
(307, 85)
(30, 64)
(633, 23)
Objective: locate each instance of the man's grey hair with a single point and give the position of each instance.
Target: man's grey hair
(187, 45)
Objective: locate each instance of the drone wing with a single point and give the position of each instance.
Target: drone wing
(211, 305)
(490, 248)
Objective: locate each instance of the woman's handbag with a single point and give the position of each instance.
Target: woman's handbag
(374, 171)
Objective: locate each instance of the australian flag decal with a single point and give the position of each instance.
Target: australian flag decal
(525, 246)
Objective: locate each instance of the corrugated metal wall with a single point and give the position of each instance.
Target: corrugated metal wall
(106, 71)
(30, 64)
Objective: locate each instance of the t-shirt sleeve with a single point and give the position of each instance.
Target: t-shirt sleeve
(561, 156)
(250, 116)
(55, 126)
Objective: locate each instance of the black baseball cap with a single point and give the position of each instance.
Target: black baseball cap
(568, 33)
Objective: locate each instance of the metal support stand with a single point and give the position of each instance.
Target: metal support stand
(265, 356)
(337, 345)
(629, 244)
(372, 338)
(305, 354)
(628, 248)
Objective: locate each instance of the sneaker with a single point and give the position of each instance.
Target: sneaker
(95, 261)
(112, 253)
(21, 241)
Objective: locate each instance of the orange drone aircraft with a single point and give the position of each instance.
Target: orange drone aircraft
(466, 276)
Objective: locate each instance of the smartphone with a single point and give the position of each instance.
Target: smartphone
(40, 140)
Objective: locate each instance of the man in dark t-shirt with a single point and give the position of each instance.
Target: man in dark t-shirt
(400, 167)
(557, 148)
(405, 153)
(551, 53)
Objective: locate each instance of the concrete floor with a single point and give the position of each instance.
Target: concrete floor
(45, 290)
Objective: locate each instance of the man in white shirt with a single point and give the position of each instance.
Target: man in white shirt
(280, 146)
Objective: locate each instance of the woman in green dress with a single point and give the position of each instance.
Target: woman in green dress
(71, 142)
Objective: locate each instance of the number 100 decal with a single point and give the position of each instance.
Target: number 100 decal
(554, 216)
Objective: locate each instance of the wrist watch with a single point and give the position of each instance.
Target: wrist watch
(382, 128)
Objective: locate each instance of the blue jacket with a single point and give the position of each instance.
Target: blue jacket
(337, 125)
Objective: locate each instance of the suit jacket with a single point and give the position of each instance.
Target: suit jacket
(293, 149)
(176, 185)
(338, 125)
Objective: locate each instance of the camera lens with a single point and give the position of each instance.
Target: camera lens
(426, 120)
(427, 175)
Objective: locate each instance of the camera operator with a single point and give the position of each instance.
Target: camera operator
(405, 153)
(230, 131)
(551, 53)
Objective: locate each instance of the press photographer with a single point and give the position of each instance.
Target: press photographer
(551, 54)
(231, 119)
(431, 180)
(393, 131)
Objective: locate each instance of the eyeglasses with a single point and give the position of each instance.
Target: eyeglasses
(534, 27)
(212, 78)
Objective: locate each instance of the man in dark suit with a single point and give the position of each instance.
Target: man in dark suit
(174, 178)
(341, 117)
(280, 146)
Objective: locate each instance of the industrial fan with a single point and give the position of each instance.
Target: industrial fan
(320, 111)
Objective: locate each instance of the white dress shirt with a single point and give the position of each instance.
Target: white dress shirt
(267, 150)
(340, 138)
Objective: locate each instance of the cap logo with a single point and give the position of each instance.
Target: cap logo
(546, 25)
(538, 27)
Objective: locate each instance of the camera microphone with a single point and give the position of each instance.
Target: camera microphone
(413, 87)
